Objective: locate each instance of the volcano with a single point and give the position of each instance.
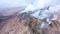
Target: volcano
(13, 23)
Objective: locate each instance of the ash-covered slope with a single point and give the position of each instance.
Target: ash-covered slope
(26, 24)
(15, 25)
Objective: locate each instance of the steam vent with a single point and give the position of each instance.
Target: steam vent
(29, 16)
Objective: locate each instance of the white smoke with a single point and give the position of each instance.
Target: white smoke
(42, 4)
(46, 8)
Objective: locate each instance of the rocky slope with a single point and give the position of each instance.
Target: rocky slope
(25, 24)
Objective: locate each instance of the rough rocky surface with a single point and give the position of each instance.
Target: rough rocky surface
(26, 24)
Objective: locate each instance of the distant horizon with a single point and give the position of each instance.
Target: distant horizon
(4, 9)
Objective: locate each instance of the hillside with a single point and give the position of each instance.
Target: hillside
(13, 23)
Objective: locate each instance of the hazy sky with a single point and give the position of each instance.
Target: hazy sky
(12, 3)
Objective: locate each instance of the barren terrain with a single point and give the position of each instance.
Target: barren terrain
(13, 23)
